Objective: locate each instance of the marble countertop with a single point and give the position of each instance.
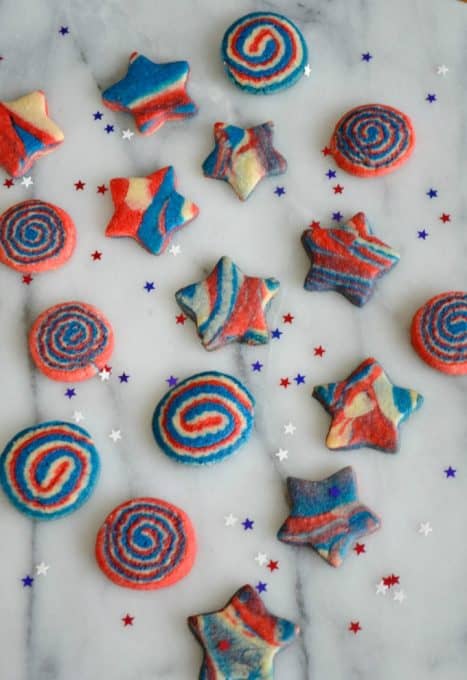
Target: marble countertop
(68, 625)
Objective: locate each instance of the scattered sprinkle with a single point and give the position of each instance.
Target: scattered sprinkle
(445, 217)
(307, 70)
(276, 334)
(27, 279)
(64, 30)
(79, 185)
(96, 255)
(127, 134)
(399, 596)
(70, 393)
(115, 436)
(338, 189)
(319, 351)
(248, 523)
(149, 286)
(431, 97)
(326, 151)
(181, 318)
(8, 183)
(366, 56)
(27, 182)
(284, 382)
(230, 520)
(381, 588)
(261, 587)
(289, 428)
(98, 115)
(128, 620)
(425, 528)
(450, 472)
(359, 548)
(104, 375)
(273, 565)
(355, 627)
(261, 558)
(282, 454)
(124, 377)
(432, 193)
(175, 250)
(331, 174)
(299, 379)
(101, 189)
(288, 318)
(109, 128)
(257, 366)
(423, 234)
(78, 416)
(337, 216)
(42, 569)
(442, 70)
(171, 381)
(279, 191)
(27, 581)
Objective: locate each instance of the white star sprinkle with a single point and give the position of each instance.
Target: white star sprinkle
(230, 520)
(261, 558)
(27, 182)
(425, 528)
(282, 454)
(381, 589)
(307, 70)
(442, 70)
(400, 596)
(42, 569)
(289, 428)
(78, 416)
(115, 436)
(104, 374)
(127, 134)
(175, 250)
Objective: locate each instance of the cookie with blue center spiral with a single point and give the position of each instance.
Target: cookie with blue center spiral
(145, 544)
(49, 470)
(204, 418)
(439, 332)
(36, 236)
(71, 341)
(264, 52)
(372, 140)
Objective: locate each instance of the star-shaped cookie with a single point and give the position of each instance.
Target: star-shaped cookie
(26, 132)
(229, 306)
(152, 93)
(347, 259)
(366, 409)
(241, 640)
(327, 515)
(242, 157)
(149, 209)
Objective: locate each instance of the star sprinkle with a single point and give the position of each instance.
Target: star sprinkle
(287, 318)
(282, 454)
(423, 234)
(450, 472)
(96, 255)
(261, 587)
(327, 524)
(273, 565)
(431, 97)
(442, 70)
(359, 548)
(8, 183)
(70, 392)
(445, 217)
(128, 620)
(149, 209)
(149, 286)
(366, 56)
(79, 185)
(230, 520)
(243, 157)
(331, 174)
(355, 627)
(381, 588)
(229, 306)
(248, 524)
(261, 559)
(27, 182)
(337, 216)
(299, 379)
(124, 377)
(307, 70)
(27, 279)
(338, 189)
(276, 334)
(284, 382)
(42, 569)
(348, 259)
(319, 351)
(425, 528)
(257, 366)
(391, 580)
(432, 193)
(101, 189)
(27, 581)
(180, 319)
(326, 151)
(97, 115)
(78, 416)
(175, 250)
(366, 409)
(64, 30)
(127, 134)
(115, 436)
(247, 628)
(104, 374)
(289, 428)
(279, 191)
(171, 381)
(399, 596)
(109, 128)
(152, 93)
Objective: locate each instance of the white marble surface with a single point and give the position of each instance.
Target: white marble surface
(68, 627)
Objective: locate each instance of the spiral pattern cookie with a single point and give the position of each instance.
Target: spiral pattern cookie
(145, 544)
(49, 470)
(71, 341)
(439, 332)
(372, 140)
(204, 419)
(36, 236)
(264, 52)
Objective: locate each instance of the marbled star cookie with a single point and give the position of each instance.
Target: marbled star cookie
(71, 341)
(204, 418)
(36, 236)
(264, 52)
(146, 544)
(49, 470)
(372, 140)
(26, 132)
(439, 332)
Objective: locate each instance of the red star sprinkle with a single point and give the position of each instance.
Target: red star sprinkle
(326, 151)
(101, 189)
(355, 627)
(96, 255)
(391, 580)
(287, 318)
(108, 368)
(181, 318)
(223, 645)
(315, 224)
(445, 217)
(319, 351)
(359, 548)
(128, 620)
(285, 382)
(27, 279)
(338, 189)
(273, 565)
(8, 183)
(79, 185)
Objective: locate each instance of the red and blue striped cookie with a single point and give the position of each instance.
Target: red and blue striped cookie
(145, 544)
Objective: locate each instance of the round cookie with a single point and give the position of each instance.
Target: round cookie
(439, 332)
(264, 52)
(372, 140)
(145, 544)
(71, 341)
(36, 236)
(49, 470)
(204, 418)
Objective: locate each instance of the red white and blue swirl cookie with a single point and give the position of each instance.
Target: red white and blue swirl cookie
(264, 52)
(71, 341)
(36, 236)
(372, 140)
(204, 418)
(439, 332)
(49, 470)
(26, 132)
(145, 544)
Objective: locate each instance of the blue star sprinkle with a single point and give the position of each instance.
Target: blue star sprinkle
(171, 381)
(279, 191)
(64, 30)
(337, 216)
(366, 56)
(432, 193)
(70, 393)
(109, 128)
(450, 472)
(98, 115)
(248, 523)
(299, 379)
(276, 334)
(261, 587)
(422, 234)
(431, 97)
(27, 581)
(331, 174)
(149, 286)
(124, 377)
(257, 366)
